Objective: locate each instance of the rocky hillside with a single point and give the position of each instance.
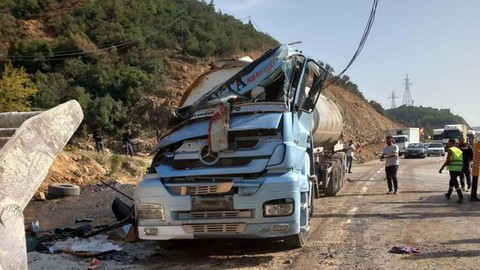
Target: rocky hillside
(362, 123)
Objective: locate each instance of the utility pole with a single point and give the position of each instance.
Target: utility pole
(407, 98)
(393, 97)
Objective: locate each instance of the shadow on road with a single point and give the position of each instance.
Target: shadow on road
(463, 241)
(443, 254)
(383, 193)
(220, 253)
(402, 215)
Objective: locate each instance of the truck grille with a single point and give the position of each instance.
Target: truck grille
(215, 228)
(202, 190)
(215, 214)
(189, 189)
(223, 162)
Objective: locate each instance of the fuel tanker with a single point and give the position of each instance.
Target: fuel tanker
(256, 142)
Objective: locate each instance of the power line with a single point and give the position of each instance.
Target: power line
(363, 40)
(62, 55)
(254, 23)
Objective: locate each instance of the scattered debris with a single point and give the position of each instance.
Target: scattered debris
(403, 250)
(33, 244)
(329, 254)
(120, 209)
(94, 264)
(40, 196)
(78, 231)
(85, 247)
(84, 220)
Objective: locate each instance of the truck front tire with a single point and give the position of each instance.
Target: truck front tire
(300, 239)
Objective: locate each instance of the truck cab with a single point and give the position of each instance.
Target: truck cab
(405, 136)
(454, 131)
(240, 163)
(437, 136)
(402, 142)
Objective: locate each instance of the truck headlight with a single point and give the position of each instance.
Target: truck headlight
(150, 211)
(278, 208)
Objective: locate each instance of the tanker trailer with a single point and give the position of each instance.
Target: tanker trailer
(241, 163)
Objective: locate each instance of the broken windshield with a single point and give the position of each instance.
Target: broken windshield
(250, 83)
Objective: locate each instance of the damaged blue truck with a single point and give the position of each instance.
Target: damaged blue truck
(256, 143)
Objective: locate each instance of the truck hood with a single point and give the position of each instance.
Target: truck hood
(237, 123)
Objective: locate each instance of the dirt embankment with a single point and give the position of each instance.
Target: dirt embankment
(82, 166)
(361, 122)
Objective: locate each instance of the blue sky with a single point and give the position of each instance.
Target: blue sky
(437, 42)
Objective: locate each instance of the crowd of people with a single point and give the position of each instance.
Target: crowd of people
(459, 162)
(98, 137)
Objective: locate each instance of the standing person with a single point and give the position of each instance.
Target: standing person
(98, 136)
(467, 152)
(127, 141)
(455, 165)
(350, 148)
(390, 155)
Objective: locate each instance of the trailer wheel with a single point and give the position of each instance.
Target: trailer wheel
(332, 186)
(340, 160)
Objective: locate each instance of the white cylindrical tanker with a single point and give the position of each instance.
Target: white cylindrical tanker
(328, 123)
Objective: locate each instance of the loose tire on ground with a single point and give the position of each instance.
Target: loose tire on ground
(62, 190)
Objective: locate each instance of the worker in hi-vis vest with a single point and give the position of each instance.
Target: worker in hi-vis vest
(454, 163)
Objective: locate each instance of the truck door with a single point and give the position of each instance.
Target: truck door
(306, 95)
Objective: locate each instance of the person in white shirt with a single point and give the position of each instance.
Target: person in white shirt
(350, 148)
(390, 155)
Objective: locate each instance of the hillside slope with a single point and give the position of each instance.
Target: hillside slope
(362, 123)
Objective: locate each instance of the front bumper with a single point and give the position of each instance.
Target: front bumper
(438, 152)
(264, 230)
(181, 221)
(415, 154)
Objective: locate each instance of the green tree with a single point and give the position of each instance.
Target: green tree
(53, 88)
(16, 89)
(107, 113)
(81, 95)
(377, 107)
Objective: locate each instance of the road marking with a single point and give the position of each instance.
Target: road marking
(351, 212)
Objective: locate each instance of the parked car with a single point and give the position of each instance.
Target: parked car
(436, 149)
(416, 150)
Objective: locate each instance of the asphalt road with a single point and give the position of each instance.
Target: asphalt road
(353, 230)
